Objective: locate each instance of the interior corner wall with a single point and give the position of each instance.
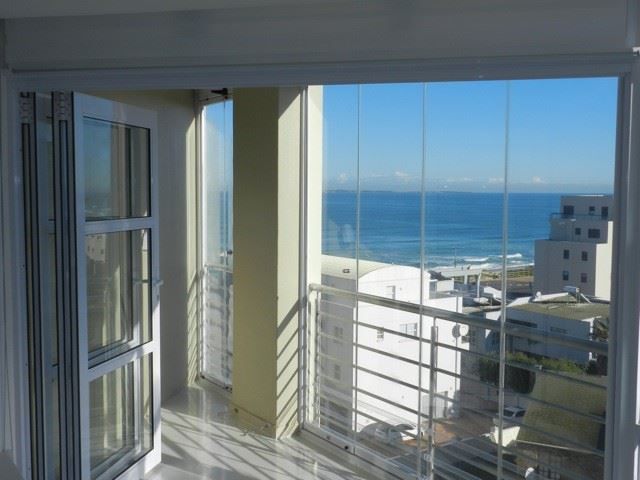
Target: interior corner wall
(178, 242)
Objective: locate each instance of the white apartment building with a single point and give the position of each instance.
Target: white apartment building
(558, 313)
(384, 397)
(578, 251)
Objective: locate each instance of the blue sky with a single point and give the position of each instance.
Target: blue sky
(561, 135)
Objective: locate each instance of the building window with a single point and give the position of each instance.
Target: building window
(409, 329)
(585, 256)
(567, 210)
(578, 231)
(565, 254)
(565, 275)
(604, 212)
(593, 233)
(390, 291)
(583, 278)
(379, 335)
(337, 372)
(558, 330)
(592, 210)
(338, 333)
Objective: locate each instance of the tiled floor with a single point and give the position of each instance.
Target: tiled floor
(203, 440)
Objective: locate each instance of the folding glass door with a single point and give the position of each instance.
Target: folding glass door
(216, 242)
(95, 360)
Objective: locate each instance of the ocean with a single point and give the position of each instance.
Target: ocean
(460, 228)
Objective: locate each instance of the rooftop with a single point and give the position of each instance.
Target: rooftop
(563, 306)
(345, 267)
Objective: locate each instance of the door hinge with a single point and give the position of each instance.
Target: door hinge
(26, 108)
(62, 106)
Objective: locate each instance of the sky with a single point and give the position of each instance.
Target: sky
(556, 136)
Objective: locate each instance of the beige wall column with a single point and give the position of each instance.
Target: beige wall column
(266, 169)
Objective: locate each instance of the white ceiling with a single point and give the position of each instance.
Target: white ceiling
(48, 8)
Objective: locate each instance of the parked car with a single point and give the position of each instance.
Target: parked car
(511, 415)
(388, 434)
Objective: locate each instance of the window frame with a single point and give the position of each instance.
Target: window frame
(591, 233)
(204, 98)
(623, 430)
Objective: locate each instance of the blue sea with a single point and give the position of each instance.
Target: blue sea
(459, 229)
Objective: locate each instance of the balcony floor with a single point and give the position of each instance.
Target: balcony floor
(203, 439)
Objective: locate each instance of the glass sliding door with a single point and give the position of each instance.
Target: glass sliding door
(462, 323)
(216, 241)
(92, 270)
(117, 261)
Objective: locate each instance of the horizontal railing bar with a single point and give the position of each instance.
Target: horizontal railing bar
(486, 456)
(330, 357)
(568, 474)
(459, 402)
(522, 366)
(589, 416)
(442, 371)
(346, 405)
(386, 377)
(415, 363)
(439, 466)
(387, 401)
(511, 329)
(392, 332)
(331, 337)
(331, 316)
(465, 451)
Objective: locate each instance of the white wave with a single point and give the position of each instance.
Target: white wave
(476, 259)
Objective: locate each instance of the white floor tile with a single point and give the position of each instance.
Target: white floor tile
(202, 439)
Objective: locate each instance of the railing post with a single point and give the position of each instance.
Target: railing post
(433, 385)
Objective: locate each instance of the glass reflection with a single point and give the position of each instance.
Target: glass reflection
(118, 292)
(116, 166)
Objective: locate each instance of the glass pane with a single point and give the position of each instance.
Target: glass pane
(512, 225)
(334, 379)
(217, 242)
(118, 292)
(465, 163)
(121, 418)
(561, 163)
(116, 165)
(391, 141)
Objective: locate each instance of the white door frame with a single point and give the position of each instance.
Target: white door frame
(110, 111)
(618, 464)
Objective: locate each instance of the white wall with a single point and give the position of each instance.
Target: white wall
(341, 31)
(340, 312)
(177, 197)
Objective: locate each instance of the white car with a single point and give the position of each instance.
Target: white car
(388, 434)
(511, 415)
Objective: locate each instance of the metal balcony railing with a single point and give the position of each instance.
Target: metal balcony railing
(427, 405)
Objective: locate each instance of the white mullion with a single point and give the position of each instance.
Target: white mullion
(112, 364)
(96, 227)
(82, 313)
